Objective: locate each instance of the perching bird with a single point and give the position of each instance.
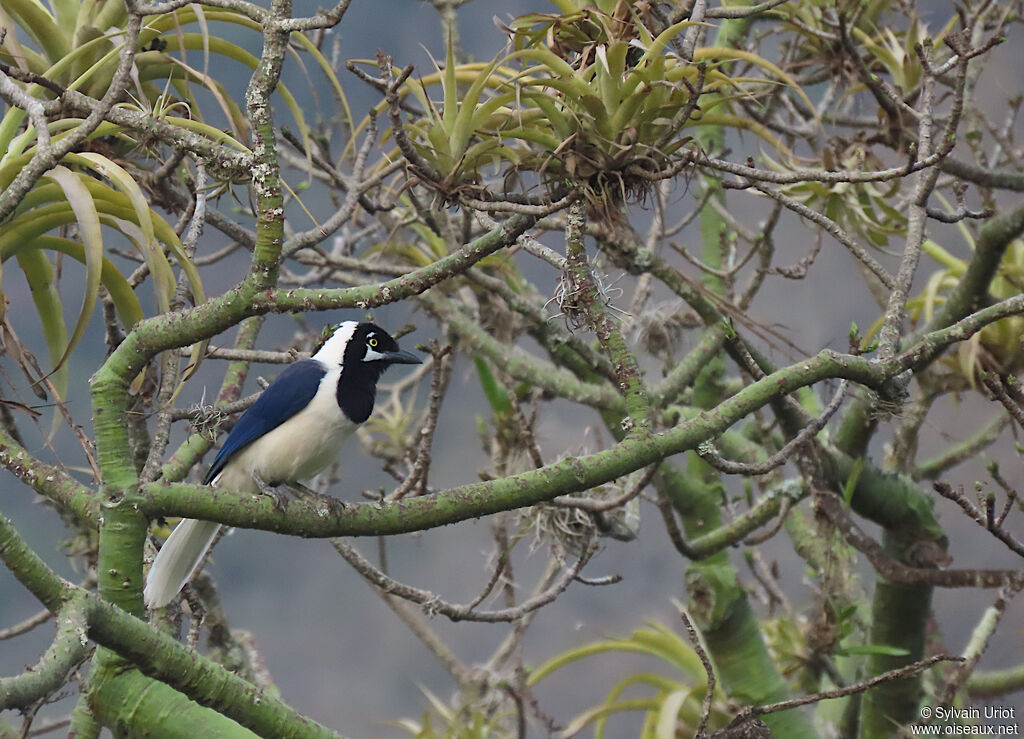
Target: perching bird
(294, 430)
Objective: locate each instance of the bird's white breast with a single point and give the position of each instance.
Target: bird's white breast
(301, 447)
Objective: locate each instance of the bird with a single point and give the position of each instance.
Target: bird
(293, 431)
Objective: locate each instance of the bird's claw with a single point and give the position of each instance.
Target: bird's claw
(312, 497)
(302, 492)
(271, 491)
(280, 493)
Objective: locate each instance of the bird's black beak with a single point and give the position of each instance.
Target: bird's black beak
(401, 357)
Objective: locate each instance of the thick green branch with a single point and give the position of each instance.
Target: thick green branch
(719, 602)
(994, 178)
(898, 614)
(731, 533)
(569, 475)
(69, 648)
(994, 683)
(51, 482)
(934, 343)
(266, 175)
(182, 328)
(155, 654)
(128, 701)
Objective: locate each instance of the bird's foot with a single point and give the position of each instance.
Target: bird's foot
(270, 490)
(319, 500)
(281, 492)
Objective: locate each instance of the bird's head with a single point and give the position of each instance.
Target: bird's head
(352, 344)
(363, 351)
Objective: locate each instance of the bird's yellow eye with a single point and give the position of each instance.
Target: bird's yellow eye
(372, 342)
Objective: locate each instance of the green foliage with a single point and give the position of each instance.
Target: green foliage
(444, 721)
(496, 395)
(888, 47)
(867, 209)
(591, 97)
(996, 347)
(97, 198)
(851, 482)
(670, 705)
(445, 137)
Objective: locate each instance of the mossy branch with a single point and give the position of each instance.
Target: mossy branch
(583, 295)
(155, 654)
(70, 647)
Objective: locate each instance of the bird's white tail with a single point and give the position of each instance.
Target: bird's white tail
(177, 560)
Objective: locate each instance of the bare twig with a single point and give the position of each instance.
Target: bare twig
(742, 12)
(976, 645)
(910, 670)
(832, 507)
(709, 694)
(599, 505)
(983, 519)
(710, 455)
(834, 230)
(417, 477)
(1001, 393)
(433, 604)
(23, 627)
(675, 535)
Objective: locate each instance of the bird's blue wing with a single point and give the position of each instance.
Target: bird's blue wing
(286, 396)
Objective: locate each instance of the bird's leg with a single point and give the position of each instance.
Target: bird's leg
(314, 497)
(303, 492)
(270, 490)
(279, 493)
(311, 496)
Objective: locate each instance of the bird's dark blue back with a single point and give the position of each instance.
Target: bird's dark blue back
(287, 395)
